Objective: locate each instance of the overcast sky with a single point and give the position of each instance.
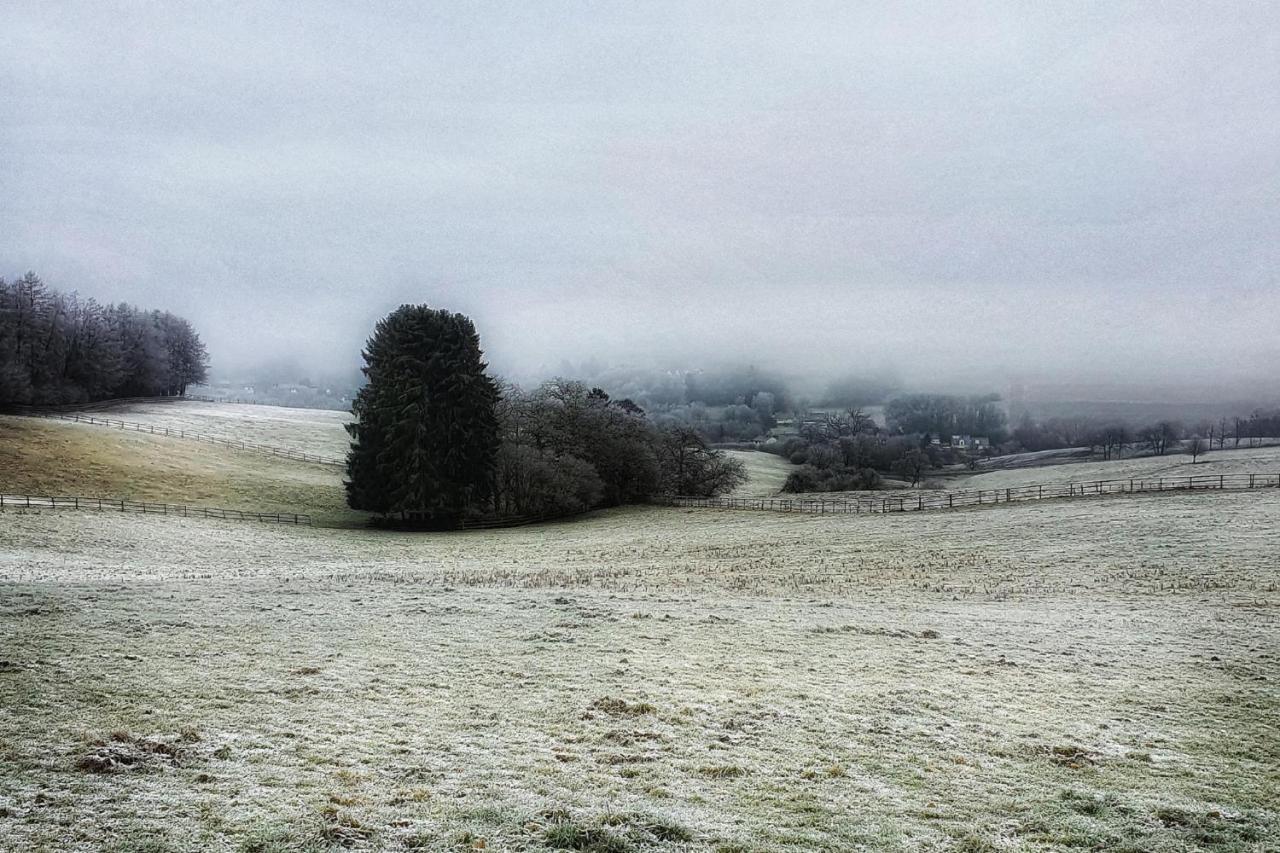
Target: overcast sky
(1022, 190)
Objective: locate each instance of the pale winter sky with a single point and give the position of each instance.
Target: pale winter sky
(1046, 190)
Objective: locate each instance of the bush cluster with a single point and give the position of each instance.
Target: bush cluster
(566, 448)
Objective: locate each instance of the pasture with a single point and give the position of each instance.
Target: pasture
(318, 431)
(51, 457)
(1172, 465)
(766, 472)
(1090, 674)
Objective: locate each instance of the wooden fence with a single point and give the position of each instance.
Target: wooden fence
(920, 501)
(123, 505)
(285, 452)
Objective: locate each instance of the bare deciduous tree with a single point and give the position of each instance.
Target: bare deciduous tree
(912, 465)
(1160, 437)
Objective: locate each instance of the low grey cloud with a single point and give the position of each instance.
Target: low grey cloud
(1060, 190)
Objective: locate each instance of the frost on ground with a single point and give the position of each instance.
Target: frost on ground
(1091, 674)
(1230, 461)
(766, 473)
(316, 431)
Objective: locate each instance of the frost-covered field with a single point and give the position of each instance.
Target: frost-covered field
(318, 431)
(1229, 461)
(766, 473)
(1090, 674)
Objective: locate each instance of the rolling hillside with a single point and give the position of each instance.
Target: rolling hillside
(39, 456)
(766, 472)
(316, 431)
(1262, 459)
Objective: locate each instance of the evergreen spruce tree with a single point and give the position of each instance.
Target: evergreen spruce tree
(426, 432)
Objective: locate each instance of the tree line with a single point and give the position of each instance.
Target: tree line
(436, 440)
(58, 348)
(945, 415)
(1113, 438)
(728, 404)
(849, 452)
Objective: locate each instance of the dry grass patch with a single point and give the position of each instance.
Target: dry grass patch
(621, 707)
(45, 457)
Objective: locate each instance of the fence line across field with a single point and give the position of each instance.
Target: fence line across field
(112, 402)
(124, 505)
(923, 501)
(152, 429)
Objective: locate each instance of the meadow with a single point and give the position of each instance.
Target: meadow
(1089, 674)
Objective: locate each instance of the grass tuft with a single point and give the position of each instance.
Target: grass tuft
(570, 835)
(621, 707)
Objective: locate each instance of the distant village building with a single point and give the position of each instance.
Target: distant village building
(784, 428)
(970, 442)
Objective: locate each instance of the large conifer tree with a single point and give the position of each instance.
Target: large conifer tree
(426, 433)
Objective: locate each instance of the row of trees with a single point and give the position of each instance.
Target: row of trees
(848, 452)
(729, 404)
(1112, 439)
(437, 440)
(946, 415)
(59, 348)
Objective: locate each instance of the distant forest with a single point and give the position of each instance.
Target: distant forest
(58, 348)
(863, 430)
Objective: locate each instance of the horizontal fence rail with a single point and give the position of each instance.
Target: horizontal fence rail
(152, 429)
(922, 501)
(8, 501)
